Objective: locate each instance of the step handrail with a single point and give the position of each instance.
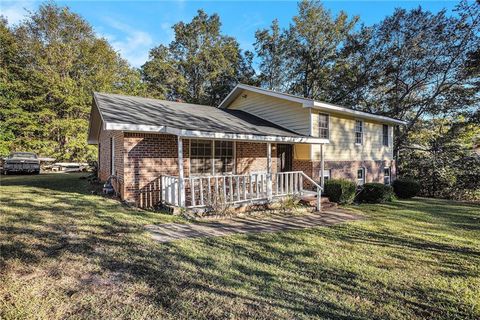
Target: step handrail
(319, 190)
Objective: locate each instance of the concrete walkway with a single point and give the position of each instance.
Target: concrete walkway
(175, 231)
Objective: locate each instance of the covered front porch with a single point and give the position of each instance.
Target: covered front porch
(241, 170)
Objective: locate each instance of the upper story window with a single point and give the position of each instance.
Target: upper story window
(358, 132)
(211, 157)
(385, 135)
(323, 125)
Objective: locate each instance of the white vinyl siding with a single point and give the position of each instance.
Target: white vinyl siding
(288, 114)
(342, 145)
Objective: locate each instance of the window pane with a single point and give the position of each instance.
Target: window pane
(323, 125)
(200, 156)
(223, 156)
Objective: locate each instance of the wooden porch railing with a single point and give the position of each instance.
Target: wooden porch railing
(203, 191)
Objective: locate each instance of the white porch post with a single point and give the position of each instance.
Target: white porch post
(322, 166)
(181, 185)
(269, 171)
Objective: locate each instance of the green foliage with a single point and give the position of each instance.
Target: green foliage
(200, 66)
(375, 193)
(301, 59)
(442, 159)
(340, 190)
(406, 188)
(51, 63)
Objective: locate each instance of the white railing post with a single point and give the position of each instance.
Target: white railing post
(181, 185)
(269, 171)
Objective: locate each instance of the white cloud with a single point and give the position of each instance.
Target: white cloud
(132, 44)
(16, 11)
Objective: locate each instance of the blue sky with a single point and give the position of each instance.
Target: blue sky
(134, 27)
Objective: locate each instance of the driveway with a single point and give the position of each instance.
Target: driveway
(176, 231)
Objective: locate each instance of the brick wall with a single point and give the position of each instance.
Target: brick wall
(252, 156)
(104, 160)
(147, 157)
(348, 169)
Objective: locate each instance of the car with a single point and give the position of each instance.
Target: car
(21, 162)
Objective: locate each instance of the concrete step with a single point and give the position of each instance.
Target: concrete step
(310, 199)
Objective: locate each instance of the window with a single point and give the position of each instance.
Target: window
(326, 175)
(385, 135)
(211, 157)
(112, 156)
(386, 176)
(361, 176)
(223, 156)
(323, 124)
(358, 132)
(200, 156)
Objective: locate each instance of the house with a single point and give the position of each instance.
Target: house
(256, 145)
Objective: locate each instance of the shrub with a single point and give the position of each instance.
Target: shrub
(375, 193)
(406, 188)
(340, 190)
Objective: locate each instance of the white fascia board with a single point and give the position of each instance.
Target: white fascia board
(134, 127)
(361, 114)
(211, 135)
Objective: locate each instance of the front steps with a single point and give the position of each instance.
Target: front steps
(310, 198)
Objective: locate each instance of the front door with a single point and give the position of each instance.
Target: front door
(285, 157)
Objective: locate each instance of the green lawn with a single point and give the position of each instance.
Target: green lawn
(65, 253)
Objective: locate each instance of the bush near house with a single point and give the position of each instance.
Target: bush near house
(340, 190)
(406, 188)
(376, 193)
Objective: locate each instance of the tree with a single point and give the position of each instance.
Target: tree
(54, 63)
(270, 47)
(413, 66)
(313, 42)
(200, 66)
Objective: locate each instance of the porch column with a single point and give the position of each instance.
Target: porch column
(322, 166)
(269, 171)
(181, 185)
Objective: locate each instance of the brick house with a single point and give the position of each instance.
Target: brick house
(256, 145)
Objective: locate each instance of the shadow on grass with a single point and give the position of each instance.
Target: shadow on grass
(243, 276)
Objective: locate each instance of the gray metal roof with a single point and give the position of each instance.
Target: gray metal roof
(115, 108)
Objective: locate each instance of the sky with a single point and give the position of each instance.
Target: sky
(134, 27)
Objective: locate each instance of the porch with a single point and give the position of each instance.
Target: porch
(203, 187)
(232, 189)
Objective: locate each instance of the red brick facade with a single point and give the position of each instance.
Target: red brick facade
(140, 160)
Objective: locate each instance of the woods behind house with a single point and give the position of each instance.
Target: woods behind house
(415, 65)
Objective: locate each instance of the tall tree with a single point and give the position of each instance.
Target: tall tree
(270, 46)
(200, 66)
(55, 61)
(313, 43)
(414, 65)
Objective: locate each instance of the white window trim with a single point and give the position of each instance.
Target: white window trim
(388, 136)
(389, 175)
(364, 175)
(328, 124)
(355, 131)
(212, 157)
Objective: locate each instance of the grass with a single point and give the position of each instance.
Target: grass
(65, 253)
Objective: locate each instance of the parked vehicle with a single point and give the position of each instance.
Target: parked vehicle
(21, 162)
